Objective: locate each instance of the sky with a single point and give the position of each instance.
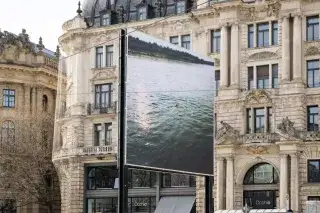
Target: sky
(39, 17)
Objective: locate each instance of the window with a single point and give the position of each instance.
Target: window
(317, 198)
(103, 94)
(141, 179)
(98, 137)
(313, 28)
(259, 120)
(263, 35)
(312, 118)
(275, 75)
(180, 7)
(269, 128)
(215, 41)
(313, 73)
(250, 36)
(142, 13)
(97, 21)
(249, 121)
(185, 41)
(102, 178)
(45, 103)
(250, 78)
(109, 56)
(217, 81)
(262, 173)
(8, 98)
(142, 204)
(263, 77)
(7, 132)
(108, 133)
(178, 180)
(174, 40)
(108, 205)
(99, 55)
(105, 19)
(313, 171)
(274, 39)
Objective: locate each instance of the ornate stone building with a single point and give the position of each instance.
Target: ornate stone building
(28, 82)
(267, 64)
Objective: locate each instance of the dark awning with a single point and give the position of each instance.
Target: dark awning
(175, 204)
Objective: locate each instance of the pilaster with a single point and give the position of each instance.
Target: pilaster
(230, 183)
(285, 49)
(224, 68)
(220, 183)
(283, 180)
(235, 64)
(294, 193)
(297, 48)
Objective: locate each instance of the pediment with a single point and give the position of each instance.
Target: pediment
(262, 56)
(312, 51)
(258, 96)
(102, 38)
(105, 74)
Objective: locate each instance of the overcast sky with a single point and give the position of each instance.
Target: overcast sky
(39, 18)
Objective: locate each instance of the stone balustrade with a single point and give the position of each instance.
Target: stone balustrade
(259, 138)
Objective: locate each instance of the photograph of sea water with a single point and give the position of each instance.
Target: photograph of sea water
(169, 106)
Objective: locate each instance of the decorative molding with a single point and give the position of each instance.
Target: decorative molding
(262, 56)
(227, 134)
(258, 96)
(312, 51)
(257, 150)
(286, 130)
(311, 151)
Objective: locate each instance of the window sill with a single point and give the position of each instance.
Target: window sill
(263, 47)
(104, 68)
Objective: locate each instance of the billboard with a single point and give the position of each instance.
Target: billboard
(169, 106)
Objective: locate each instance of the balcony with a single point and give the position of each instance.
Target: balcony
(264, 138)
(93, 109)
(99, 150)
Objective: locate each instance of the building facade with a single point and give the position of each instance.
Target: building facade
(267, 62)
(28, 82)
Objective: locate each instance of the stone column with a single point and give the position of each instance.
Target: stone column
(297, 48)
(285, 72)
(283, 180)
(224, 71)
(235, 65)
(294, 193)
(230, 184)
(27, 98)
(220, 183)
(34, 99)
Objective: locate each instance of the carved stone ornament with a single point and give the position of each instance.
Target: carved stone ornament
(286, 129)
(102, 38)
(312, 51)
(258, 96)
(102, 75)
(257, 150)
(259, 10)
(227, 134)
(262, 56)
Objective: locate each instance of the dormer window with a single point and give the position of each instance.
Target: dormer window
(181, 7)
(97, 21)
(105, 19)
(142, 13)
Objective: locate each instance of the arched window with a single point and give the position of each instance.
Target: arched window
(262, 173)
(7, 131)
(45, 103)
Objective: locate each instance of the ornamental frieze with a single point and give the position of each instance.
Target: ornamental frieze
(257, 150)
(263, 56)
(257, 97)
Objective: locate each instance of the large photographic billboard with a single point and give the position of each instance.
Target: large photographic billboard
(169, 106)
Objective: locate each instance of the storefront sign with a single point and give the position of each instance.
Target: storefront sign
(263, 202)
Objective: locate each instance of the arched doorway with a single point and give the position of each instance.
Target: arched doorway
(260, 187)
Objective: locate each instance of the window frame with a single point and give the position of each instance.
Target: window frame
(314, 115)
(95, 178)
(105, 17)
(9, 130)
(265, 33)
(152, 176)
(178, 7)
(312, 25)
(250, 36)
(275, 175)
(109, 56)
(315, 71)
(7, 98)
(174, 37)
(275, 72)
(191, 182)
(263, 79)
(186, 44)
(261, 124)
(98, 57)
(108, 134)
(274, 33)
(100, 93)
(215, 41)
(308, 171)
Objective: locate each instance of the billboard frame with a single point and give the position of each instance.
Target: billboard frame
(122, 166)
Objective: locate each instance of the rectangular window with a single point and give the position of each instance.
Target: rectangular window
(274, 33)
(263, 77)
(181, 7)
(313, 73)
(275, 75)
(312, 112)
(215, 41)
(217, 81)
(105, 20)
(99, 57)
(316, 198)
(177, 180)
(259, 120)
(249, 121)
(185, 41)
(97, 21)
(250, 35)
(107, 204)
(270, 126)
(109, 56)
(9, 97)
(313, 171)
(108, 134)
(174, 40)
(313, 28)
(142, 13)
(103, 95)
(263, 34)
(97, 135)
(250, 78)
(141, 179)
(102, 177)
